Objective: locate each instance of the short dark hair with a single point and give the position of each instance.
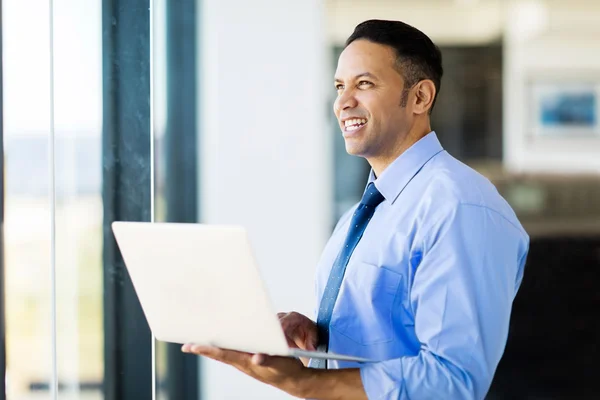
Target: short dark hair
(418, 57)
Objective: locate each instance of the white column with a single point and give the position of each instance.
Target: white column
(264, 149)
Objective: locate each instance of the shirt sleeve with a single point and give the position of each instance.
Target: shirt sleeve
(471, 263)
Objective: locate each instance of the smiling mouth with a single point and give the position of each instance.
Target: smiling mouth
(351, 125)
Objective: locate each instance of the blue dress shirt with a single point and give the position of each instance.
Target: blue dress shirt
(427, 293)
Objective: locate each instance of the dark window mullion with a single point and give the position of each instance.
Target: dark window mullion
(126, 190)
(181, 189)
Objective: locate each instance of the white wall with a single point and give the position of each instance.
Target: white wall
(264, 149)
(556, 40)
(446, 22)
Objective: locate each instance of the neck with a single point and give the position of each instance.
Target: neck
(380, 163)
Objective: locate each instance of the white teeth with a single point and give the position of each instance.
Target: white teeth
(355, 122)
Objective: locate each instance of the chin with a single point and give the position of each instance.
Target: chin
(357, 143)
(354, 150)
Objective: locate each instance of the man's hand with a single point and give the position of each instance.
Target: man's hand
(287, 374)
(300, 332)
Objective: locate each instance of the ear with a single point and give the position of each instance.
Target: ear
(424, 95)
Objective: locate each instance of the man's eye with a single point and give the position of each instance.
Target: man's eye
(339, 87)
(365, 83)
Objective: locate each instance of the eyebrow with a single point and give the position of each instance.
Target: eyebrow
(361, 75)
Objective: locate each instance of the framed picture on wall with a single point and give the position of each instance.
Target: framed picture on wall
(566, 107)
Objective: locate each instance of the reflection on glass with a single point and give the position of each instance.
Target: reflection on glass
(27, 202)
(78, 150)
(159, 98)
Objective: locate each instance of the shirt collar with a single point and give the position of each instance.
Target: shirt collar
(397, 175)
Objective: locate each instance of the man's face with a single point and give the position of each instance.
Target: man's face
(368, 106)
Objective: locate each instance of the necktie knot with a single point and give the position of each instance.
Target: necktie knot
(372, 197)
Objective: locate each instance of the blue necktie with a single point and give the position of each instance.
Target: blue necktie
(360, 220)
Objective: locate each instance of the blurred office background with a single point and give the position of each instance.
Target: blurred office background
(220, 111)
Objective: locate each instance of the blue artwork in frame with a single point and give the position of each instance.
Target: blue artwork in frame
(566, 109)
(569, 109)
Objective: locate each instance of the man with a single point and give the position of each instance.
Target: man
(420, 276)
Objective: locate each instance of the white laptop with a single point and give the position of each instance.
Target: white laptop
(200, 284)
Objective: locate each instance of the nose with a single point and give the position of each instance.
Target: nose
(345, 101)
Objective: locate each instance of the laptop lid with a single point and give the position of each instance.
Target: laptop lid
(200, 284)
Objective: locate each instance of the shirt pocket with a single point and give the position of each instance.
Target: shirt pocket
(363, 310)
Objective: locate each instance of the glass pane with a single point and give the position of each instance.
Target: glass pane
(78, 160)
(27, 225)
(159, 99)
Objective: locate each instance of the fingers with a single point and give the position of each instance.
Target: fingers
(218, 354)
(280, 315)
(288, 329)
(265, 360)
(302, 342)
(311, 344)
(208, 351)
(291, 343)
(300, 331)
(306, 339)
(227, 356)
